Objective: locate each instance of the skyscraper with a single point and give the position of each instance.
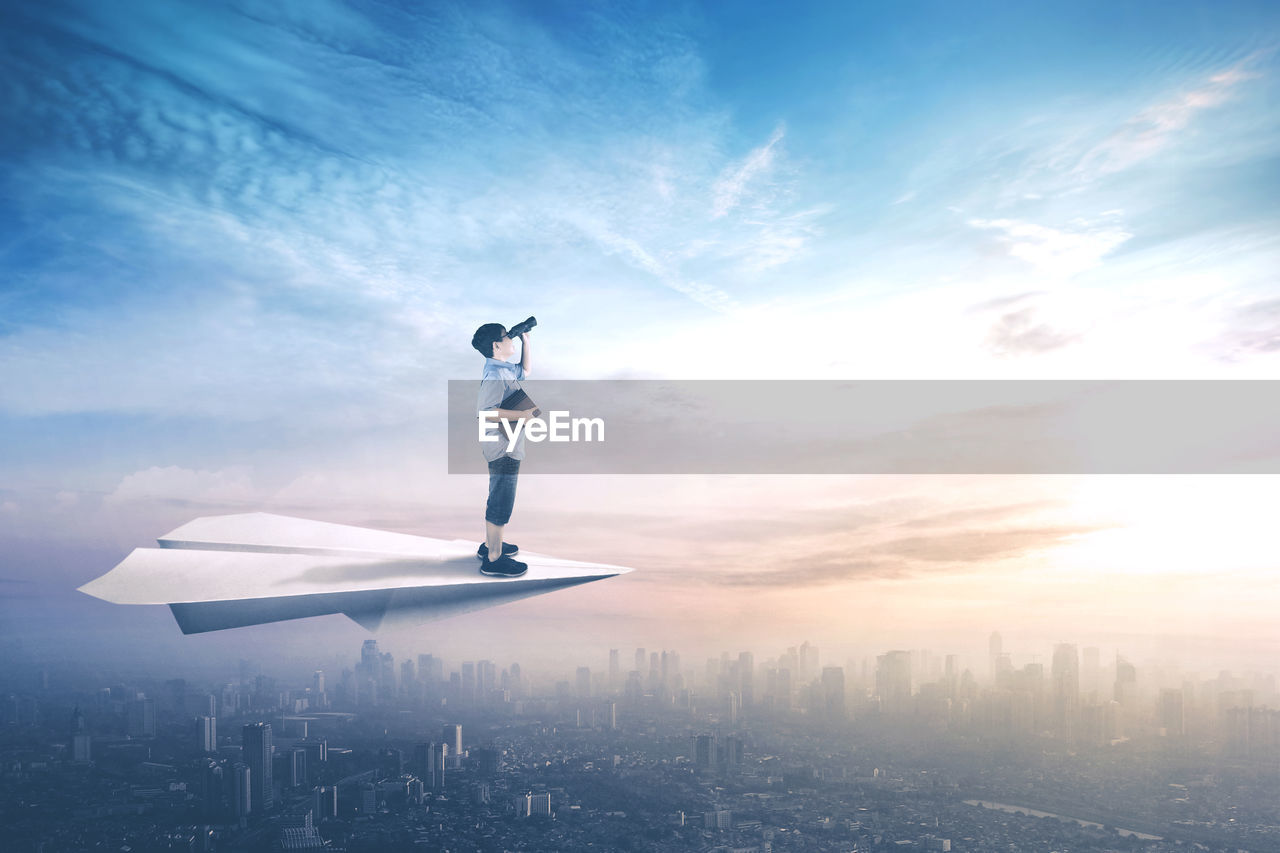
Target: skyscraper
(325, 802)
(995, 648)
(440, 753)
(297, 768)
(808, 661)
(452, 736)
(422, 761)
(833, 692)
(241, 790)
(257, 750)
(893, 682)
(1091, 673)
(468, 684)
(208, 733)
(704, 751)
(1172, 722)
(142, 718)
(615, 671)
(746, 674)
(1066, 689)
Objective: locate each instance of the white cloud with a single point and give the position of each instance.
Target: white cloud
(734, 181)
(1153, 128)
(172, 484)
(66, 500)
(8, 507)
(1058, 252)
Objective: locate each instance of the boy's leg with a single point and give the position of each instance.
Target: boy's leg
(502, 495)
(493, 538)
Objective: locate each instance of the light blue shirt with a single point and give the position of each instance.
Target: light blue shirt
(499, 380)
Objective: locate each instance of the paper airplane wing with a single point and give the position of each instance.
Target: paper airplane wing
(230, 571)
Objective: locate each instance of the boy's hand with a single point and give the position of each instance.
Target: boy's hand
(524, 337)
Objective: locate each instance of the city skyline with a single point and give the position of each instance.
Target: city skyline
(388, 753)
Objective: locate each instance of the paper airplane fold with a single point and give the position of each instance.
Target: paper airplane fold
(229, 571)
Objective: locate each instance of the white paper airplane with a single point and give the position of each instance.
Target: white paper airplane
(229, 571)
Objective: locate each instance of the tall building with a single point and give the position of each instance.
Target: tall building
(1066, 689)
(369, 675)
(640, 659)
(211, 788)
(408, 677)
(833, 692)
(893, 682)
(422, 761)
(257, 750)
(704, 751)
(208, 733)
(452, 735)
(615, 671)
(1172, 723)
(241, 790)
(440, 754)
(583, 682)
(325, 802)
(539, 804)
(487, 675)
(746, 676)
(297, 768)
(782, 692)
(1091, 673)
(468, 684)
(426, 669)
(808, 661)
(995, 648)
(142, 718)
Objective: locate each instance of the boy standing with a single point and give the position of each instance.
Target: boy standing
(500, 379)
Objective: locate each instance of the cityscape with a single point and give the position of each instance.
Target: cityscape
(1060, 749)
(939, 344)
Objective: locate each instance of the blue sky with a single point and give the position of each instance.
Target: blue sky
(244, 245)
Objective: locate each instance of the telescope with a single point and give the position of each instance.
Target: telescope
(520, 328)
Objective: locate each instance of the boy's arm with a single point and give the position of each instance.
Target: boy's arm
(524, 354)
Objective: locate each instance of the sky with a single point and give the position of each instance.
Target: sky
(244, 245)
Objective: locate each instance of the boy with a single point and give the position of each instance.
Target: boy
(499, 380)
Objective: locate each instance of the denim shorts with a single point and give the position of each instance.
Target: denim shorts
(502, 489)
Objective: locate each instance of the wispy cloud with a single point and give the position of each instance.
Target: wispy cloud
(1155, 127)
(1252, 329)
(1021, 332)
(737, 178)
(1058, 252)
(175, 485)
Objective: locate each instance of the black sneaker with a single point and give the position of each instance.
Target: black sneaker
(508, 550)
(503, 567)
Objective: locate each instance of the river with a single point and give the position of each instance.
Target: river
(1004, 807)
